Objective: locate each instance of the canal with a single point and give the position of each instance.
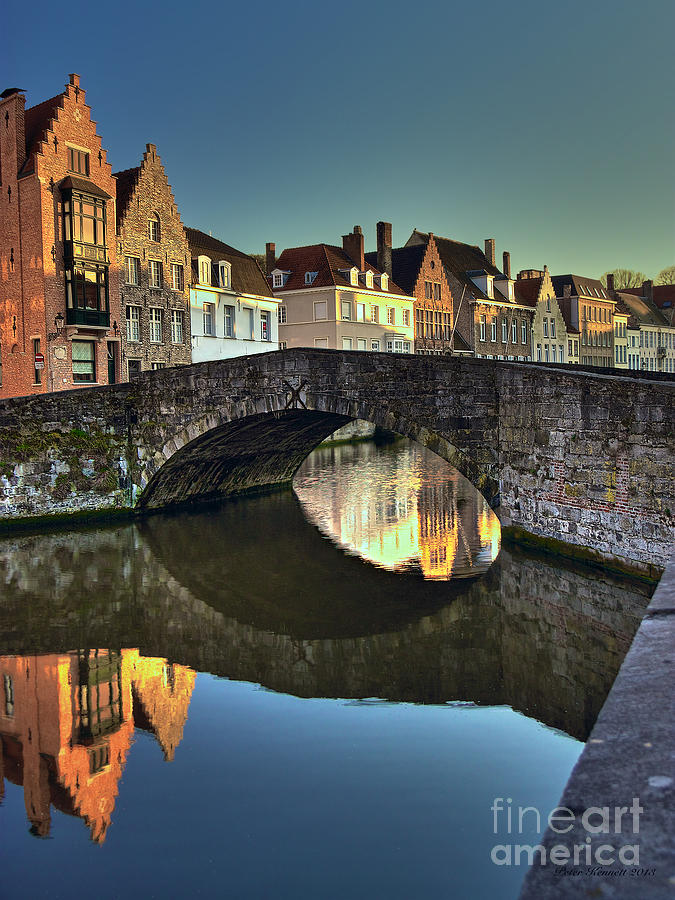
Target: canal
(336, 692)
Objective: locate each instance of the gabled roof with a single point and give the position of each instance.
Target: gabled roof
(664, 294)
(330, 263)
(406, 263)
(37, 120)
(247, 276)
(126, 184)
(581, 286)
(528, 290)
(645, 312)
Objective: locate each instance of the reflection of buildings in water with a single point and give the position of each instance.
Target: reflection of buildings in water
(412, 509)
(67, 721)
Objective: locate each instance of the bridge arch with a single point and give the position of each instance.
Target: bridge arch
(260, 445)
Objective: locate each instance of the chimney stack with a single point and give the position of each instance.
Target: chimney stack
(610, 283)
(648, 290)
(567, 290)
(384, 247)
(490, 250)
(270, 258)
(13, 129)
(352, 244)
(506, 256)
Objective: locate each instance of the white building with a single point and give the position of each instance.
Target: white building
(233, 311)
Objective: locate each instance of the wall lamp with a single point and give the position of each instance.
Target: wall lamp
(59, 322)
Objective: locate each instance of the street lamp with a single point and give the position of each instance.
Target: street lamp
(58, 324)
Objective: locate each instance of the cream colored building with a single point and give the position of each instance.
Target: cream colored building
(329, 297)
(551, 341)
(621, 316)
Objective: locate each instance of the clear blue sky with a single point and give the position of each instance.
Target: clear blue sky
(548, 126)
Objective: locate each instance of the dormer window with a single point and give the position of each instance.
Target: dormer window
(204, 270)
(369, 279)
(489, 288)
(310, 276)
(510, 289)
(224, 274)
(384, 281)
(154, 229)
(354, 275)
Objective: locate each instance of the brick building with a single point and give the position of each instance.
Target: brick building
(418, 270)
(490, 317)
(155, 281)
(588, 307)
(59, 296)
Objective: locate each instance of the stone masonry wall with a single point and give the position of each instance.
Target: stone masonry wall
(584, 459)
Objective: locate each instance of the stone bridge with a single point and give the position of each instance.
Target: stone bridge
(571, 457)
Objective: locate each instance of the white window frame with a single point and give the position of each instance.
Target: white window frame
(320, 304)
(224, 274)
(209, 315)
(346, 305)
(177, 283)
(176, 326)
(136, 275)
(155, 274)
(155, 321)
(391, 315)
(282, 314)
(228, 321)
(133, 317)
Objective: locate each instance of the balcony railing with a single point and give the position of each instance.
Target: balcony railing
(92, 318)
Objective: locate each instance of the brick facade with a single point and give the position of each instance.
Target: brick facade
(155, 320)
(433, 307)
(50, 158)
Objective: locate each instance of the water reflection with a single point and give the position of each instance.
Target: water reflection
(400, 507)
(67, 722)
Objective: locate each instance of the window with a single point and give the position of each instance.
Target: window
(354, 276)
(505, 331)
(282, 315)
(37, 362)
(545, 327)
(548, 304)
(514, 331)
(84, 220)
(391, 316)
(134, 368)
(428, 291)
(406, 317)
(157, 365)
(360, 312)
(569, 348)
(133, 323)
(249, 333)
(155, 270)
(523, 331)
(552, 328)
(384, 281)
(374, 313)
(369, 279)
(482, 328)
(310, 276)
(321, 342)
(176, 326)
(9, 694)
(154, 230)
(538, 352)
(493, 328)
(132, 270)
(553, 353)
(204, 270)
(375, 346)
(320, 310)
(437, 291)
(84, 366)
(223, 274)
(277, 280)
(265, 330)
(361, 344)
(78, 161)
(346, 309)
(283, 345)
(177, 279)
(229, 321)
(346, 343)
(156, 325)
(209, 316)
(546, 355)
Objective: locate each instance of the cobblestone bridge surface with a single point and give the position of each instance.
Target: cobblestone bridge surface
(575, 457)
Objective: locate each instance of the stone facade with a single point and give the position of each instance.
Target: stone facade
(550, 338)
(581, 458)
(54, 173)
(156, 271)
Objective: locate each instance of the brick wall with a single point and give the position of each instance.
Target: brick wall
(152, 197)
(432, 273)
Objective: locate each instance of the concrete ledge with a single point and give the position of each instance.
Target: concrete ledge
(628, 755)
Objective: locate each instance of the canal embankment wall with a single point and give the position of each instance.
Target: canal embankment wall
(627, 764)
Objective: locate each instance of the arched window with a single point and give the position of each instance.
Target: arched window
(154, 228)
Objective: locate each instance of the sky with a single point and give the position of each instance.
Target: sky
(549, 127)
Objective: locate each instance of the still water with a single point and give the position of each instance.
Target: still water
(317, 694)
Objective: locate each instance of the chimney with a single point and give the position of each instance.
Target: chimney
(567, 290)
(490, 250)
(507, 263)
(648, 290)
(14, 103)
(270, 258)
(352, 244)
(74, 79)
(384, 247)
(610, 283)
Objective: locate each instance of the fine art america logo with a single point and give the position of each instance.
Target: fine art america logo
(591, 854)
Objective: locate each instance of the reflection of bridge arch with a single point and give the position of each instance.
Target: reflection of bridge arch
(222, 454)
